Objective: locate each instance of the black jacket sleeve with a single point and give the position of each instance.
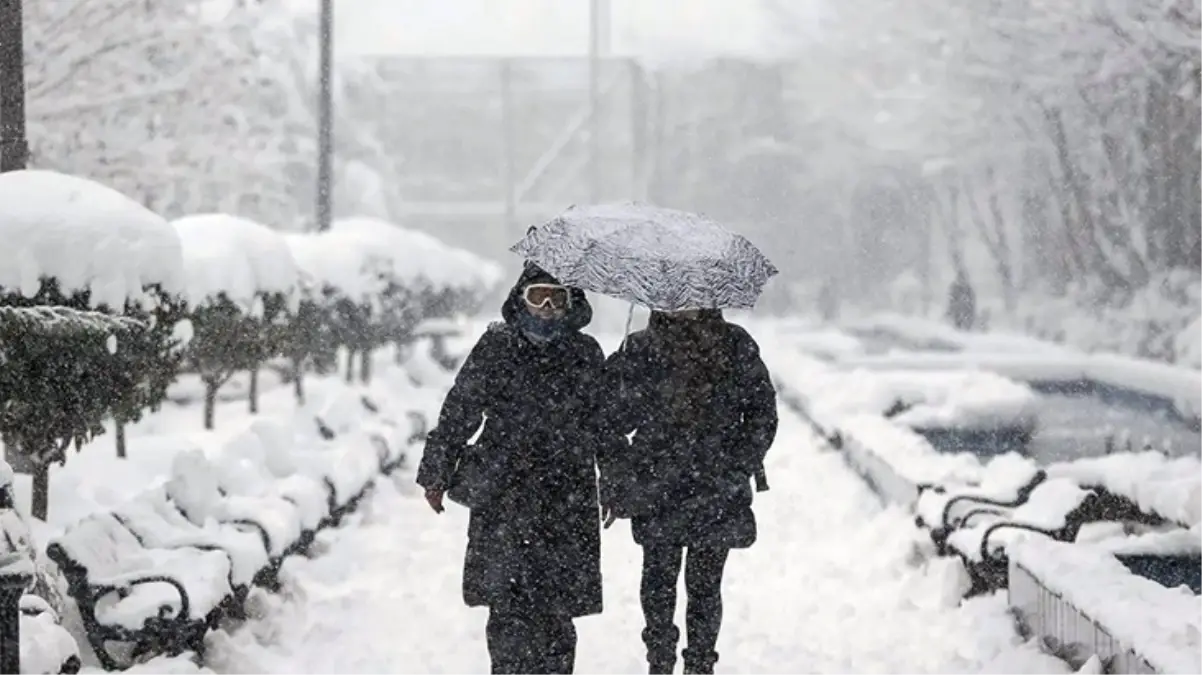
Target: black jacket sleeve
(619, 405)
(462, 411)
(758, 401)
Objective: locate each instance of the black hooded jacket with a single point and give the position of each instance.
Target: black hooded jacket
(701, 406)
(536, 536)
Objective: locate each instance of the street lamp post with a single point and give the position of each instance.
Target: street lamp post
(596, 31)
(325, 118)
(14, 150)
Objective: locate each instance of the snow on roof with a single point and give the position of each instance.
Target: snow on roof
(235, 256)
(85, 235)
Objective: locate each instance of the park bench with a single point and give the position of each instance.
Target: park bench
(158, 523)
(1057, 508)
(196, 490)
(156, 600)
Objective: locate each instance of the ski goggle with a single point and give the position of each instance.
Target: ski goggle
(548, 295)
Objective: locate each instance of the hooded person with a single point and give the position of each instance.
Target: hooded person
(533, 553)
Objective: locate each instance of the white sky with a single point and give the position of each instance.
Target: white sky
(651, 28)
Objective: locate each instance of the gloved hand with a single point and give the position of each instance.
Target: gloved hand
(434, 499)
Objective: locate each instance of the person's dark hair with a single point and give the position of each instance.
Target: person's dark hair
(699, 357)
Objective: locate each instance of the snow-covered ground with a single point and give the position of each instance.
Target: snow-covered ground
(835, 583)
(832, 586)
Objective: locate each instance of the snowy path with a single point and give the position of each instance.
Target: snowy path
(827, 588)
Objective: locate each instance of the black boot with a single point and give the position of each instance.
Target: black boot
(699, 662)
(661, 649)
(661, 665)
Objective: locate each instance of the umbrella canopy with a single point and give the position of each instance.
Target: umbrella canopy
(664, 259)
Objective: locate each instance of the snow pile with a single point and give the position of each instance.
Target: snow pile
(973, 400)
(827, 343)
(907, 452)
(1032, 367)
(346, 264)
(1168, 487)
(45, 644)
(86, 236)
(416, 256)
(1177, 541)
(1161, 624)
(918, 331)
(1182, 386)
(239, 258)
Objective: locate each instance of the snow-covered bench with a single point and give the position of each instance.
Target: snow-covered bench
(1056, 508)
(157, 523)
(157, 599)
(196, 488)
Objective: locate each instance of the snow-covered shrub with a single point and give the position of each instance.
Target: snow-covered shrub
(147, 359)
(309, 342)
(242, 286)
(354, 279)
(441, 281)
(73, 243)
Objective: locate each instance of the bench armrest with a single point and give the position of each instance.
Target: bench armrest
(121, 583)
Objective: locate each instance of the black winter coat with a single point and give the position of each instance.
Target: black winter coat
(537, 542)
(688, 484)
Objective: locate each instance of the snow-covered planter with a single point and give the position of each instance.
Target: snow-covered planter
(242, 285)
(1057, 587)
(73, 243)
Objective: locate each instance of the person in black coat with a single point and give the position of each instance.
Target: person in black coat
(533, 553)
(700, 403)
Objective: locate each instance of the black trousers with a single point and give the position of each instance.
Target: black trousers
(529, 640)
(703, 613)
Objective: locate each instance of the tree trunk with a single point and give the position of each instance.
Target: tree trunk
(350, 366)
(120, 432)
(365, 366)
(252, 393)
(298, 381)
(40, 506)
(210, 407)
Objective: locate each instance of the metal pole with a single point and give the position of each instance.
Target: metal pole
(14, 150)
(595, 28)
(509, 142)
(325, 121)
(12, 587)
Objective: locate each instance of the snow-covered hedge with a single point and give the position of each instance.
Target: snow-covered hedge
(77, 244)
(242, 286)
(353, 282)
(446, 280)
(212, 293)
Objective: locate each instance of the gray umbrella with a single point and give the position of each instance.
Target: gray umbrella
(661, 258)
